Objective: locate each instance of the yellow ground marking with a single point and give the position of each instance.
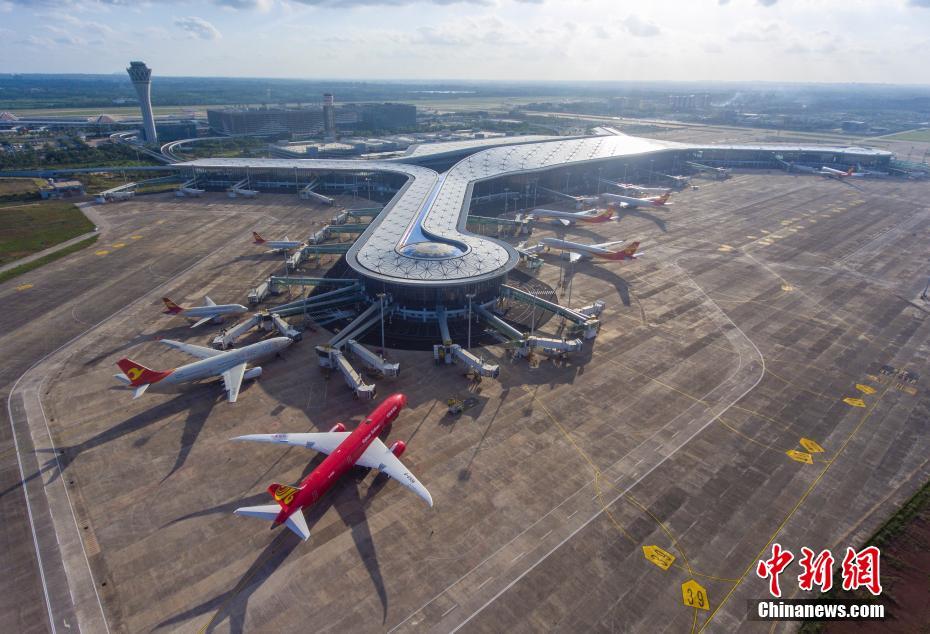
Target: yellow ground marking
(865, 389)
(786, 222)
(726, 248)
(659, 556)
(811, 445)
(135, 237)
(800, 456)
(752, 237)
(793, 230)
(160, 221)
(118, 245)
(626, 496)
(787, 288)
(101, 252)
(909, 389)
(807, 492)
(812, 221)
(24, 287)
(694, 595)
(855, 402)
(765, 231)
(764, 243)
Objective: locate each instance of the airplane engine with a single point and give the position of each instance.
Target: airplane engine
(398, 448)
(338, 427)
(252, 373)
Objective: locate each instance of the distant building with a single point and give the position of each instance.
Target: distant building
(387, 116)
(266, 121)
(176, 130)
(61, 189)
(329, 116)
(141, 76)
(855, 126)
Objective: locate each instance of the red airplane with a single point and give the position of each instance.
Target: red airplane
(345, 450)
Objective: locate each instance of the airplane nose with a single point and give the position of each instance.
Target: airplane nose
(402, 398)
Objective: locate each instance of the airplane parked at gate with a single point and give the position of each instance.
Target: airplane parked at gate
(629, 201)
(344, 450)
(277, 245)
(658, 191)
(231, 366)
(577, 250)
(210, 311)
(571, 217)
(835, 173)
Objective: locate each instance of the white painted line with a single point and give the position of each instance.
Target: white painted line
(517, 557)
(449, 610)
(545, 536)
(572, 515)
(484, 583)
(648, 472)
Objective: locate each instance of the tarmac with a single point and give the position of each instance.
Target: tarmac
(705, 422)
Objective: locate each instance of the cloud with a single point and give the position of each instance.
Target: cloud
(636, 26)
(198, 28)
(756, 32)
(767, 3)
(920, 3)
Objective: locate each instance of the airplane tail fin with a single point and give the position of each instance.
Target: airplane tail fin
(850, 171)
(170, 307)
(627, 253)
(257, 238)
(296, 521)
(139, 375)
(663, 198)
(283, 494)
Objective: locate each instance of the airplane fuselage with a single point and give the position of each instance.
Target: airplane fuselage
(215, 366)
(571, 216)
(585, 250)
(634, 202)
(336, 464)
(217, 310)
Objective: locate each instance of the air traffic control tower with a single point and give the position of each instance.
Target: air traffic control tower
(141, 76)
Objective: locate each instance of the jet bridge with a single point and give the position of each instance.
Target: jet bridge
(372, 360)
(364, 212)
(587, 323)
(264, 320)
(332, 358)
(449, 353)
(499, 324)
(307, 193)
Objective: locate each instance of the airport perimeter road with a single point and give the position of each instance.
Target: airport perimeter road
(144, 244)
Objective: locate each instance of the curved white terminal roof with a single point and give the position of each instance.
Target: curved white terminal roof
(420, 237)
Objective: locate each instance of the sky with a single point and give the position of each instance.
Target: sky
(880, 41)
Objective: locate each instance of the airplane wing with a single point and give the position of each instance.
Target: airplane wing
(195, 351)
(379, 457)
(324, 442)
(564, 221)
(574, 256)
(202, 321)
(232, 381)
(207, 301)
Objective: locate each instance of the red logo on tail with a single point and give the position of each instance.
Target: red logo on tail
(138, 374)
(170, 307)
(257, 238)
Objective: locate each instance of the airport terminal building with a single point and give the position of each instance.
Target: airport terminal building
(418, 249)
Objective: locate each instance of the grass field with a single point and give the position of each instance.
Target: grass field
(920, 134)
(51, 257)
(12, 189)
(30, 227)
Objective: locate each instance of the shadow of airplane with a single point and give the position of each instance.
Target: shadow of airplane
(635, 212)
(345, 499)
(198, 412)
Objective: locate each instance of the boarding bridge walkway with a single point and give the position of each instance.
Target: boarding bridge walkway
(590, 324)
(372, 360)
(499, 324)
